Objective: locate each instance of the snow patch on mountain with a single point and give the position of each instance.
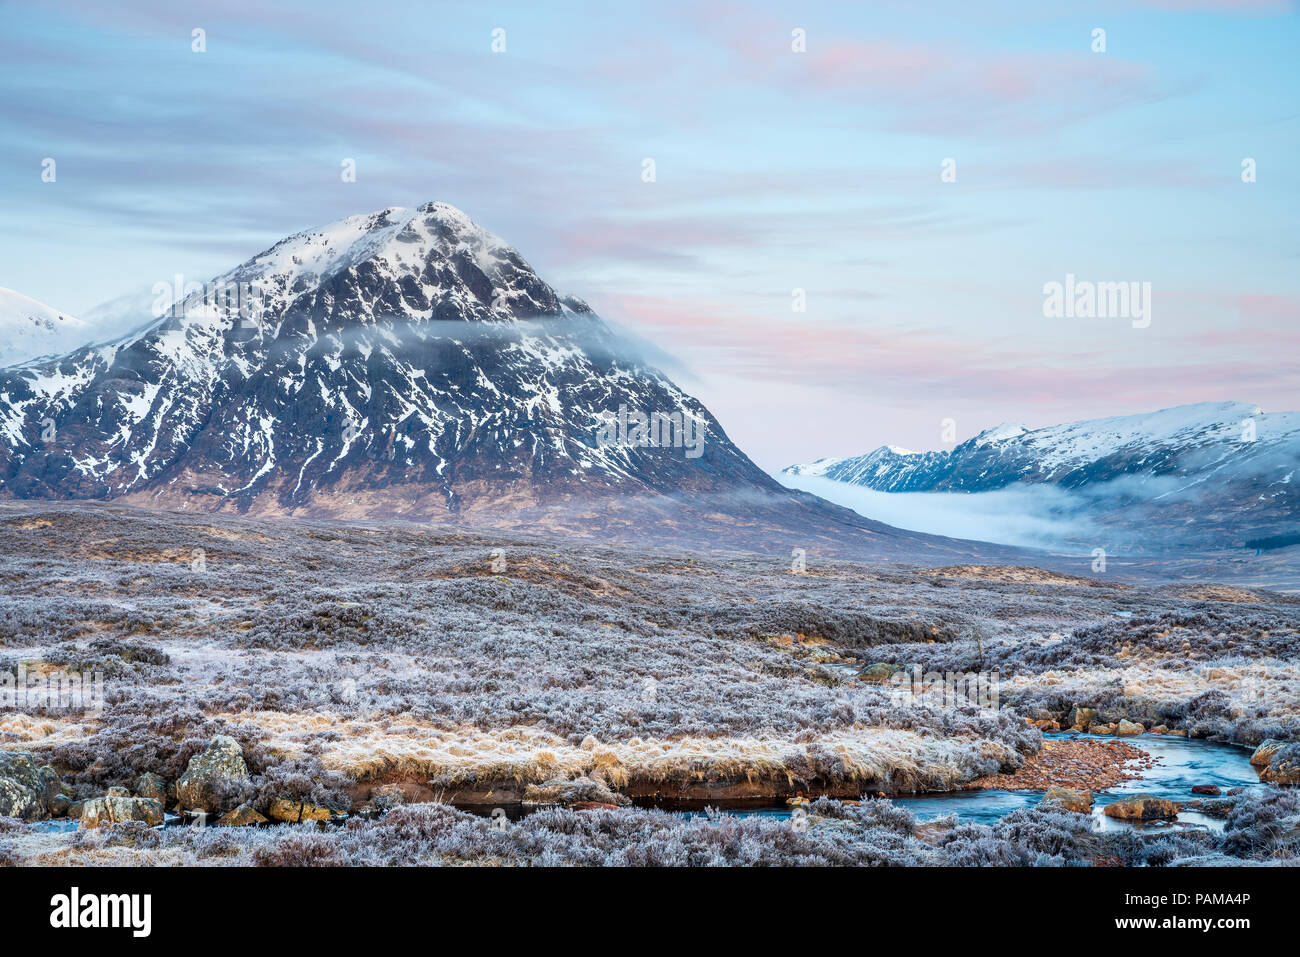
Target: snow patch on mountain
(31, 329)
(999, 433)
(819, 467)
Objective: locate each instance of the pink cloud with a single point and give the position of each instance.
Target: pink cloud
(887, 362)
(940, 89)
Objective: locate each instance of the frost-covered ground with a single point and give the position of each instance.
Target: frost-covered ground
(344, 657)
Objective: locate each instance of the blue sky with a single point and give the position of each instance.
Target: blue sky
(775, 170)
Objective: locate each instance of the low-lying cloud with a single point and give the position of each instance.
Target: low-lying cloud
(1040, 516)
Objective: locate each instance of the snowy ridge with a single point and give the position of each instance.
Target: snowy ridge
(820, 467)
(1217, 470)
(1191, 441)
(31, 329)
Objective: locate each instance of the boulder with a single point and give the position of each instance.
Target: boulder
(215, 779)
(877, 674)
(242, 816)
(1264, 753)
(291, 812)
(282, 809)
(119, 792)
(1142, 807)
(101, 812)
(1283, 767)
(26, 788)
(150, 785)
(1211, 789)
(578, 790)
(1081, 719)
(1069, 799)
(1128, 729)
(1102, 729)
(314, 812)
(60, 804)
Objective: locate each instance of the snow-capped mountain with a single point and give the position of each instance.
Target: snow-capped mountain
(405, 364)
(1213, 473)
(31, 329)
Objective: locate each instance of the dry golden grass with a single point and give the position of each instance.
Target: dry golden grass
(1011, 573)
(42, 733)
(1219, 593)
(366, 749)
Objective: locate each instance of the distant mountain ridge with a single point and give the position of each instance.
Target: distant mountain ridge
(1208, 473)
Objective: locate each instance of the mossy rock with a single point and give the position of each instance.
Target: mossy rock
(150, 785)
(26, 788)
(242, 816)
(215, 779)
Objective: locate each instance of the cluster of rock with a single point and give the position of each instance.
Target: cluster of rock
(216, 782)
(1085, 720)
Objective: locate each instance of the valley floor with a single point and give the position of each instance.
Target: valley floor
(388, 672)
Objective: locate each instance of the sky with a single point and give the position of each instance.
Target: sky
(775, 170)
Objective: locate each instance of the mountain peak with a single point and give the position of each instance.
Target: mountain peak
(449, 214)
(431, 263)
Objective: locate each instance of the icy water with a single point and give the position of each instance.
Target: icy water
(1181, 763)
